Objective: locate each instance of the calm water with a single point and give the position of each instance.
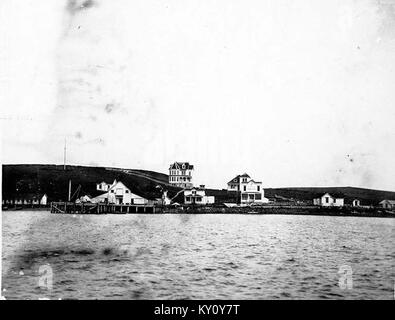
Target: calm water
(195, 256)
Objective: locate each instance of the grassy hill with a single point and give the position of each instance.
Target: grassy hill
(367, 196)
(22, 179)
(53, 180)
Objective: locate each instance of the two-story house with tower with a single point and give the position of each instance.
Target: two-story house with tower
(180, 174)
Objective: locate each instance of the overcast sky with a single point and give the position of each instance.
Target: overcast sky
(295, 93)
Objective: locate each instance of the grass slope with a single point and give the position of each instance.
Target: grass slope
(367, 196)
(53, 180)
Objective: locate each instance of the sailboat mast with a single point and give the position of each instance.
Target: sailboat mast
(69, 190)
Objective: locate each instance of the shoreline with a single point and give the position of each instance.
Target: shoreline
(309, 211)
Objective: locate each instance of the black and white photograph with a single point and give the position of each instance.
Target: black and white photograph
(174, 150)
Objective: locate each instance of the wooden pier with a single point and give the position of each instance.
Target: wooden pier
(102, 208)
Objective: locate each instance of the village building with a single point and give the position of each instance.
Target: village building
(329, 200)
(27, 199)
(356, 203)
(118, 193)
(180, 174)
(251, 191)
(197, 196)
(387, 204)
(103, 186)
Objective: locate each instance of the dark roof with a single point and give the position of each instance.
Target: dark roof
(179, 166)
(244, 175)
(193, 195)
(237, 178)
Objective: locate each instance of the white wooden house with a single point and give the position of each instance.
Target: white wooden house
(103, 186)
(329, 200)
(197, 196)
(251, 191)
(118, 193)
(388, 204)
(356, 203)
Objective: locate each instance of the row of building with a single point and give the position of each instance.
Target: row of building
(248, 191)
(181, 173)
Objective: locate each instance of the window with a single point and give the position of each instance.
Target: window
(326, 199)
(112, 191)
(126, 191)
(245, 188)
(244, 196)
(258, 188)
(198, 199)
(258, 196)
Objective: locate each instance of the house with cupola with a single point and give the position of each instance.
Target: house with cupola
(180, 174)
(251, 191)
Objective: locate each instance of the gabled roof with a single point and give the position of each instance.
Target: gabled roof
(252, 180)
(116, 183)
(195, 188)
(332, 194)
(388, 201)
(194, 195)
(237, 178)
(181, 166)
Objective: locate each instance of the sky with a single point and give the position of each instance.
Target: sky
(295, 93)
